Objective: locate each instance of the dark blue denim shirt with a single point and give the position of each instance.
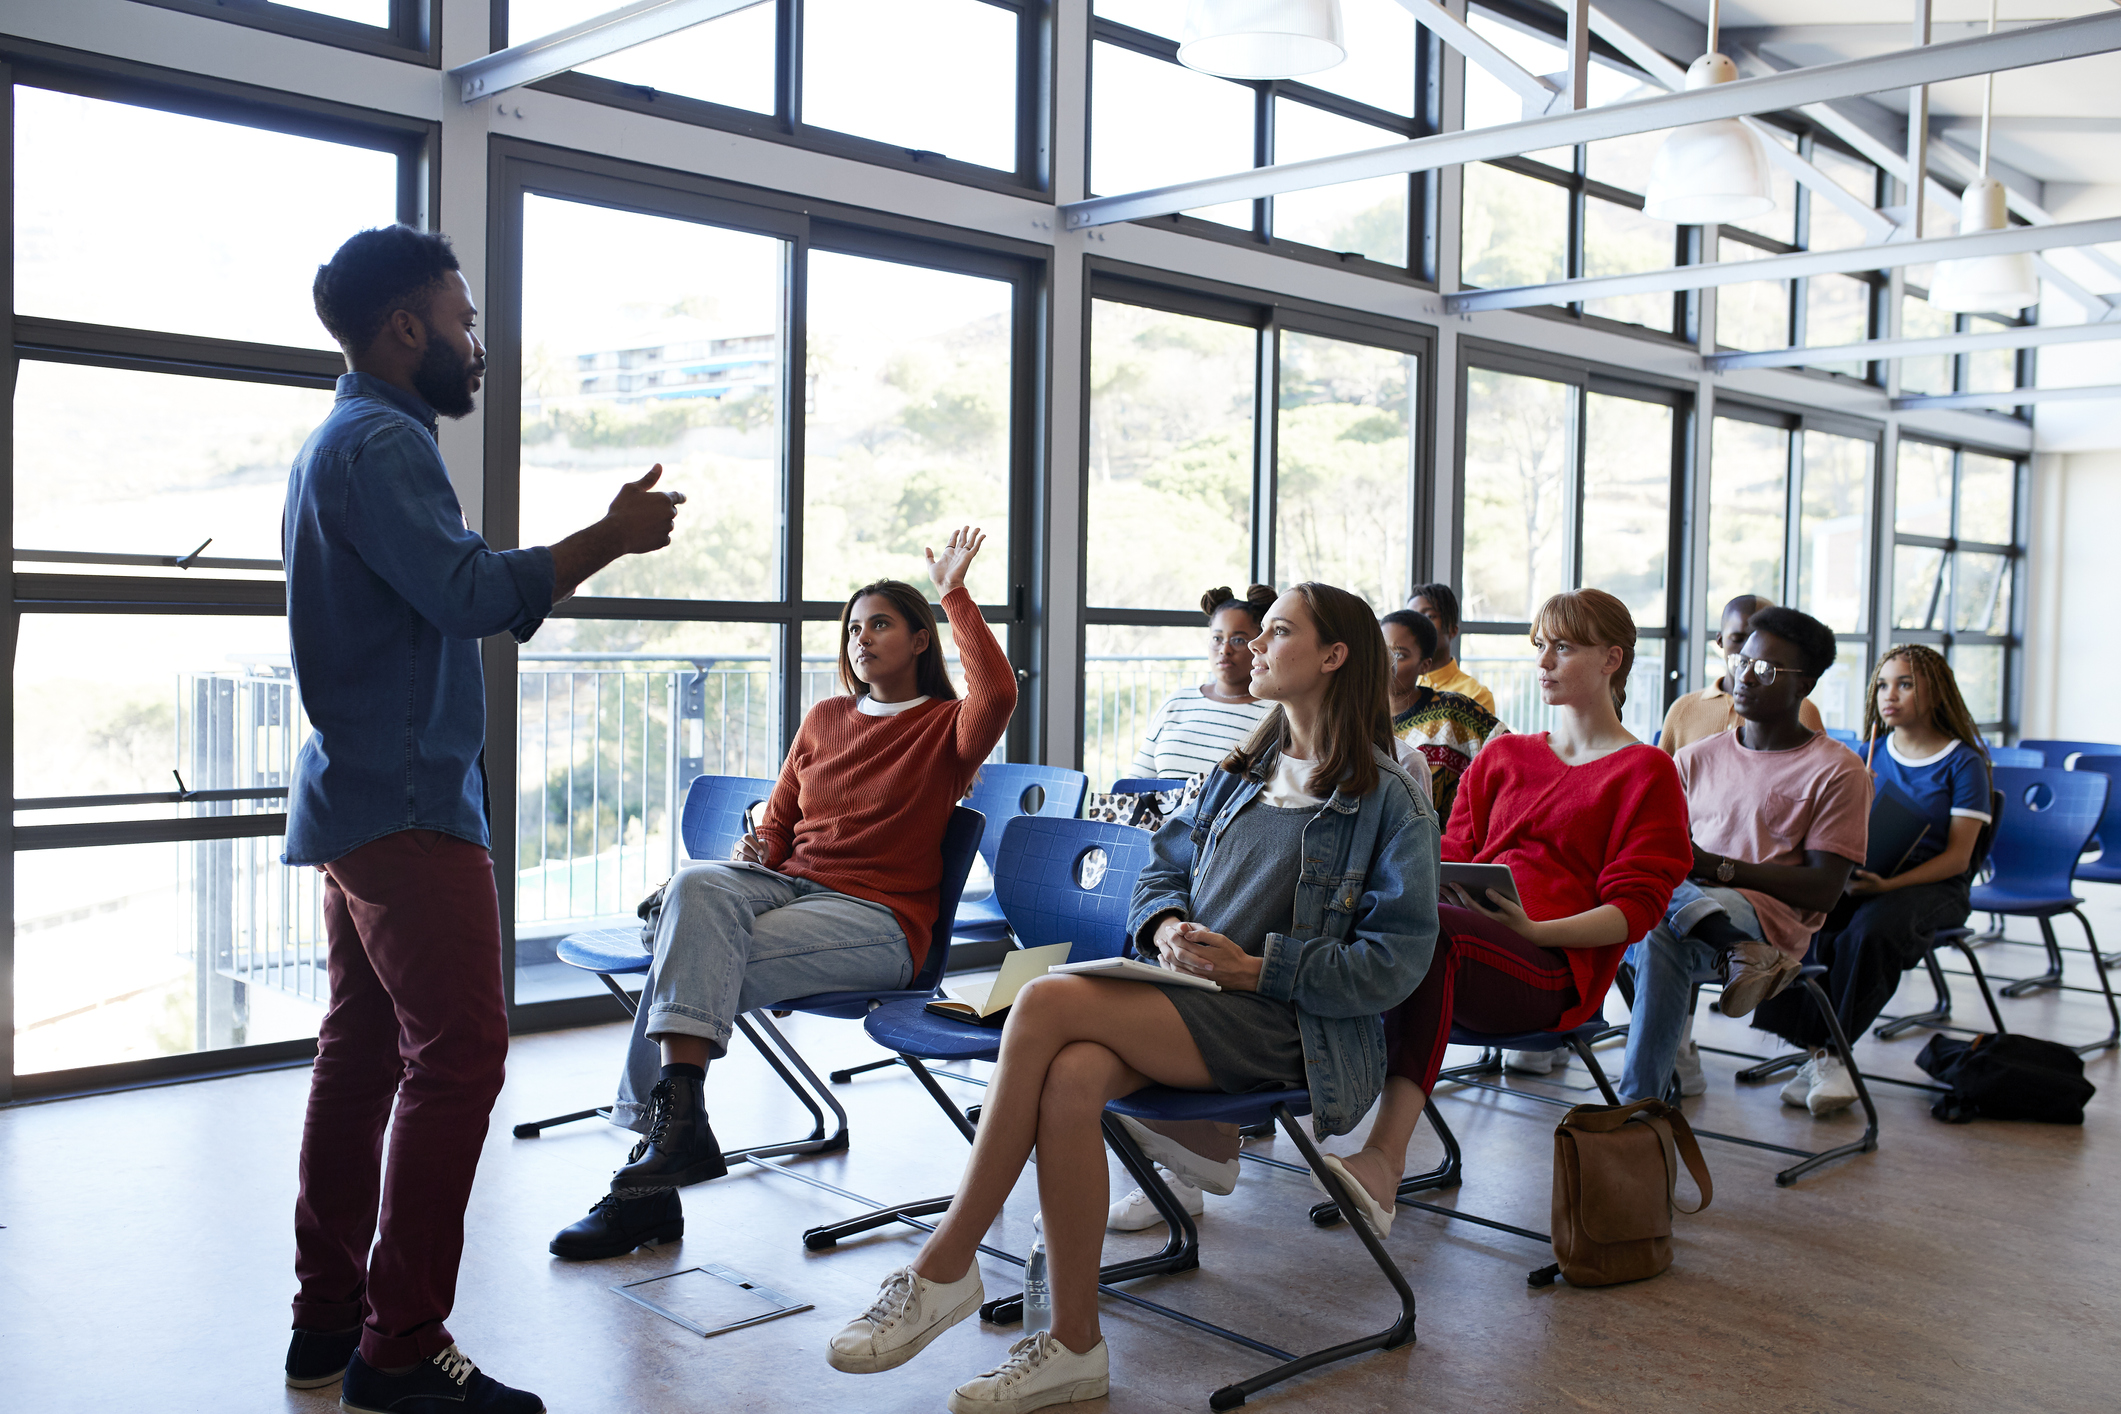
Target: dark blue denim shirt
(388, 594)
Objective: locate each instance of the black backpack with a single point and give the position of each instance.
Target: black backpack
(2007, 1077)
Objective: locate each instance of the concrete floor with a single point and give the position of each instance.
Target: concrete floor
(145, 1259)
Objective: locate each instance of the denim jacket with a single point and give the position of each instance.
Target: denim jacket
(1363, 931)
(388, 595)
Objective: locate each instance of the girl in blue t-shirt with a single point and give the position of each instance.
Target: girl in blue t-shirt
(1920, 740)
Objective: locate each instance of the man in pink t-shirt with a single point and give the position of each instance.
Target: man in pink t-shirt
(1780, 816)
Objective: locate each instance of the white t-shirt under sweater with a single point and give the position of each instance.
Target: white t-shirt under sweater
(869, 707)
(1191, 733)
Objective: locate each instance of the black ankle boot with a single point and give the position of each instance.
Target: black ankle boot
(680, 1147)
(615, 1226)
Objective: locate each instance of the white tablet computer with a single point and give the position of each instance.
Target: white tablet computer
(1475, 878)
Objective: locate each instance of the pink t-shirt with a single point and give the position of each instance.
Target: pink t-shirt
(1769, 807)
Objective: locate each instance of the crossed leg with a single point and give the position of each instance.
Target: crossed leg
(1071, 1045)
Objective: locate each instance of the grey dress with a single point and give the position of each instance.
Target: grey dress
(1250, 1042)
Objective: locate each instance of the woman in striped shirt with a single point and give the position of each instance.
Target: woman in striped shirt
(1196, 727)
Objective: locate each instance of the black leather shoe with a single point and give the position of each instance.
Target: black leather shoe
(318, 1358)
(680, 1147)
(615, 1226)
(446, 1384)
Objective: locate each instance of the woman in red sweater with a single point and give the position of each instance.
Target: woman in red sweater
(1593, 825)
(837, 891)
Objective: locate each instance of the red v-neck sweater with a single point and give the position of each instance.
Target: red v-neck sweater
(1611, 831)
(862, 801)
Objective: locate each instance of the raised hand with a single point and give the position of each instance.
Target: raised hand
(948, 569)
(643, 517)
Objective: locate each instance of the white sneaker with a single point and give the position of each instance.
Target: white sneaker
(1135, 1212)
(1691, 1080)
(1534, 1062)
(1832, 1090)
(1039, 1371)
(908, 1313)
(1196, 1169)
(1800, 1085)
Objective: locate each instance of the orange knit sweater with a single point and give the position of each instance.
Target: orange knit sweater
(862, 801)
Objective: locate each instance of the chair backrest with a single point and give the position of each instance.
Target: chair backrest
(2109, 831)
(1849, 739)
(1070, 881)
(2057, 753)
(713, 818)
(1008, 789)
(2016, 756)
(1145, 785)
(2048, 817)
(961, 837)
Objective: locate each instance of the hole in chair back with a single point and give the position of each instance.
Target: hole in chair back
(1090, 867)
(2039, 796)
(1033, 799)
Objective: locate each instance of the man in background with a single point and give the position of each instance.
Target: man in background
(1438, 603)
(388, 594)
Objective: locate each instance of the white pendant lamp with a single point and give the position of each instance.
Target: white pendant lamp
(1985, 284)
(1262, 39)
(1709, 172)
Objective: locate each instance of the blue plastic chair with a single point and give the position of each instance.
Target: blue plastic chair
(1005, 792)
(2015, 756)
(1852, 740)
(2057, 752)
(1146, 785)
(2106, 869)
(713, 819)
(2048, 818)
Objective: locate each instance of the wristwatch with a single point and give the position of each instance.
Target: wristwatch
(1726, 871)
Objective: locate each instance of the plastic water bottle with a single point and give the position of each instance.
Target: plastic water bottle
(1038, 1296)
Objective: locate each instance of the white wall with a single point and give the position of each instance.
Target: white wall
(2072, 673)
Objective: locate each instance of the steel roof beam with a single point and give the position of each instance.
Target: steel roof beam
(2024, 336)
(584, 42)
(2015, 397)
(1965, 58)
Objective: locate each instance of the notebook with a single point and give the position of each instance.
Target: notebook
(1897, 826)
(985, 1001)
(1135, 970)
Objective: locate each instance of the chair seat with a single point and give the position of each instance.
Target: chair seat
(848, 1006)
(1528, 1040)
(1988, 898)
(1159, 1102)
(2099, 871)
(979, 921)
(909, 1028)
(608, 950)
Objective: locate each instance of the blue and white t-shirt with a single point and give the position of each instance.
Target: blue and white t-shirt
(1953, 783)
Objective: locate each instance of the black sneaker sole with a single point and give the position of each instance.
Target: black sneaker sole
(295, 1381)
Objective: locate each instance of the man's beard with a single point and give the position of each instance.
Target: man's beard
(444, 379)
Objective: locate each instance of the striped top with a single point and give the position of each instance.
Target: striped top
(1192, 732)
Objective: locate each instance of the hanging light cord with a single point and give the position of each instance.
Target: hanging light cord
(1716, 23)
(1988, 95)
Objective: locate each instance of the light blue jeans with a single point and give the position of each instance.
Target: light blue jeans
(733, 938)
(1665, 961)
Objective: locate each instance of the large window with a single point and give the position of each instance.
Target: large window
(161, 390)
(831, 403)
(1197, 479)
(1568, 483)
(1956, 548)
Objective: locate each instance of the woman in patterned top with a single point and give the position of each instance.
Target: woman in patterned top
(1444, 729)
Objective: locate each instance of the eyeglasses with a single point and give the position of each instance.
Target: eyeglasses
(1738, 665)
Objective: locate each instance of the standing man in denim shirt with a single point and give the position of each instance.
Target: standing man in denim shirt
(388, 594)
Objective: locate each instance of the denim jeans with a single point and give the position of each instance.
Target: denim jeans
(1664, 961)
(733, 938)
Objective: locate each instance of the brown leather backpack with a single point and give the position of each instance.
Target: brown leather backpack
(1616, 1168)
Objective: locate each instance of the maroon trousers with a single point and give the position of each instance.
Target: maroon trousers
(417, 1019)
(1484, 976)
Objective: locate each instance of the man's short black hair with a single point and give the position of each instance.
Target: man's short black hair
(1444, 598)
(377, 272)
(1417, 624)
(1813, 640)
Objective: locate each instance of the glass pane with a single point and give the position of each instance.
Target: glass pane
(1780, 223)
(1918, 586)
(1919, 319)
(367, 12)
(1748, 484)
(1979, 669)
(907, 434)
(1833, 565)
(176, 461)
(1127, 674)
(1344, 448)
(1489, 101)
(1368, 217)
(1990, 370)
(1831, 227)
(1987, 488)
(87, 170)
(1839, 692)
(1379, 69)
(1619, 240)
(1755, 315)
(614, 719)
(1922, 490)
(1516, 229)
(671, 355)
(1164, 17)
(1518, 451)
(934, 75)
(1203, 128)
(1171, 457)
(1981, 602)
(1622, 161)
(1508, 667)
(728, 60)
(1837, 311)
(1627, 489)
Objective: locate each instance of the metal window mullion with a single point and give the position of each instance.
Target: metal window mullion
(1266, 410)
(1580, 437)
(795, 312)
(1263, 154)
(788, 64)
(1793, 516)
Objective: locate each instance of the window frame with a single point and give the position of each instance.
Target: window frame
(414, 33)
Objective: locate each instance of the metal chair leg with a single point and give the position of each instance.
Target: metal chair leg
(1988, 998)
(2100, 964)
(1839, 1044)
(788, 1063)
(2024, 986)
(828, 1235)
(841, 1077)
(1935, 1016)
(534, 1128)
(1444, 1175)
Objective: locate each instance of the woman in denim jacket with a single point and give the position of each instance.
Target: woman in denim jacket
(1304, 885)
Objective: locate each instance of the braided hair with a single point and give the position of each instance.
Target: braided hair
(1948, 711)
